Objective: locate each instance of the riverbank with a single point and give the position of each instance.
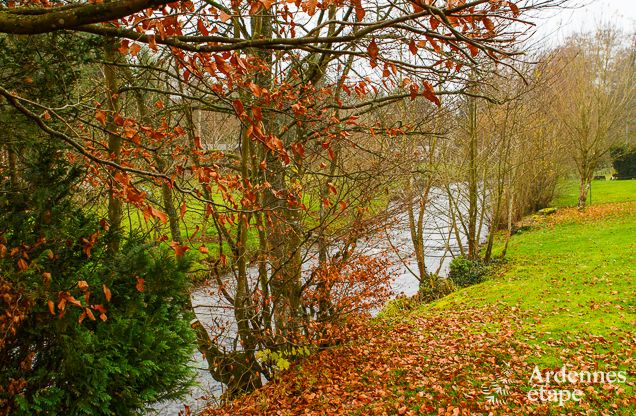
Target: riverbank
(566, 297)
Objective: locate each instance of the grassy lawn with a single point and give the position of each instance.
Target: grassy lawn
(566, 296)
(574, 273)
(567, 193)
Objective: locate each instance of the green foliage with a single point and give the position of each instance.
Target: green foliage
(282, 359)
(624, 161)
(127, 352)
(45, 66)
(464, 272)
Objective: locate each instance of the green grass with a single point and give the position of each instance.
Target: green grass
(573, 274)
(562, 271)
(197, 231)
(603, 192)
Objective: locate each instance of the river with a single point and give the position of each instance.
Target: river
(394, 242)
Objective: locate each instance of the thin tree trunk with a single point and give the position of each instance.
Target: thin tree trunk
(115, 205)
(583, 187)
(472, 181)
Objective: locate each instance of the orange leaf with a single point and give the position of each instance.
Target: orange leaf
(179, 250)
(159, 215)
(256, 90)
(100, 116)
(414, 90)
(51, 307)
(107, 293)
(413, 47)
(123, 46)
(373, 49)
(140, 284)
(183, 209)
(514, 9)
(82, 284)
(73, 301)
(489, 24)
(151, 212)
(224, 17)
(201, 28)
(360, 12)
(310, 7)
(434, 22)
(22, 265)
(435, 44)
(90, 314)
(203, 249)
(134, 49)
(429, 94)
(104, 224)
(99, 308)
(152, 43)
(238, 107)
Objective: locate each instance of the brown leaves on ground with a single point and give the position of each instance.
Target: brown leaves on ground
(592, 213)
(589, 214)
(437, 364)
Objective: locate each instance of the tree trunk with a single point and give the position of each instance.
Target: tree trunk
(583, 187)
(115, 205)
(473, 243)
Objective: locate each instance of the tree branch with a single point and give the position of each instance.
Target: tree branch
(22, 21)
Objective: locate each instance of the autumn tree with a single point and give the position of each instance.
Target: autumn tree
(296, 80)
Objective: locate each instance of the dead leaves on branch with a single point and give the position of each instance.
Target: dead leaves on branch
(231, 73)
(31, 259)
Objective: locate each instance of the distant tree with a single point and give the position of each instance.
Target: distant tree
(592, 101)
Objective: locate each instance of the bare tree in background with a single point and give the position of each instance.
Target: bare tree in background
(591, 101)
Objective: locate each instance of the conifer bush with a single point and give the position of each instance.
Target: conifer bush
(84, 331)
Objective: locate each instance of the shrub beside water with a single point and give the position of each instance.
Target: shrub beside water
(465, 272)
(435, 288)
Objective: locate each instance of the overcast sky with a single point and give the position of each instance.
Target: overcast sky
(558, 24)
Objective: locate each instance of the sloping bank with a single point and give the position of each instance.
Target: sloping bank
(566, 297)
